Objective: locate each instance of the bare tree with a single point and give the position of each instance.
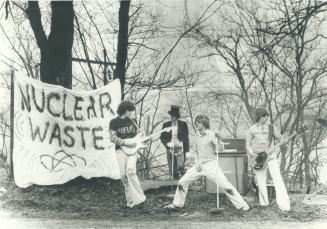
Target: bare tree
(290, 42)
(122, 46)
(56, 48)
(278, 61)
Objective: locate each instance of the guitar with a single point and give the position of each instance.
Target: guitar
(264, 157)
(139, 139)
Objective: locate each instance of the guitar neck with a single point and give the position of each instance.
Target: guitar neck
(154, 134)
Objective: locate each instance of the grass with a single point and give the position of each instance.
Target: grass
(104, 198)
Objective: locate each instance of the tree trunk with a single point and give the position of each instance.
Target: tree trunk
(56, 50)
(120, 71)
(300, 175)
(307, 171)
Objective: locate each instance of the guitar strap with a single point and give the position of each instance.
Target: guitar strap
(135, 124)
(271, 137)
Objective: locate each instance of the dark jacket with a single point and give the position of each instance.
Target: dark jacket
(182, 135)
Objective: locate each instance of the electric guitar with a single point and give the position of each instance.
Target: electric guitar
(139, 139)
(264, 157)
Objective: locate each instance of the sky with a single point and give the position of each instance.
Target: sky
(174, 16)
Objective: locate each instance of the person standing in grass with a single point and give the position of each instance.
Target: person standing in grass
(176, 142)
(206, 165)
(259, 139)
(122, 128)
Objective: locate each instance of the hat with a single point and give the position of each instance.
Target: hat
(174, 111)
(260, 112)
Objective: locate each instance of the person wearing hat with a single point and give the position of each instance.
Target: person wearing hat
(176, 142)
(259, 139)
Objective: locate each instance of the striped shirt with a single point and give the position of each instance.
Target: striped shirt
(258, 138)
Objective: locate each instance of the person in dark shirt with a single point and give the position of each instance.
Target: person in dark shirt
(177, 141)
(121, 128)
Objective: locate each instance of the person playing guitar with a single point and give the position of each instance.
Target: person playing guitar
(259, 139)
(121, 130)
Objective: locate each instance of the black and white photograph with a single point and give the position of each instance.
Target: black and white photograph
(163, 114)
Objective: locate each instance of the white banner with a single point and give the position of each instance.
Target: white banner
(60, 134)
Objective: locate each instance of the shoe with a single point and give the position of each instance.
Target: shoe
(171, 207)
(284, 212)
(245, 208)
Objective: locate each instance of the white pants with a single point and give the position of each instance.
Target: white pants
(133, 190)
(282, 198)
(210, 170)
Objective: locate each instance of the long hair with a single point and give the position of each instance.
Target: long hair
(204, 120)
(125, 106)
(260, 112)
